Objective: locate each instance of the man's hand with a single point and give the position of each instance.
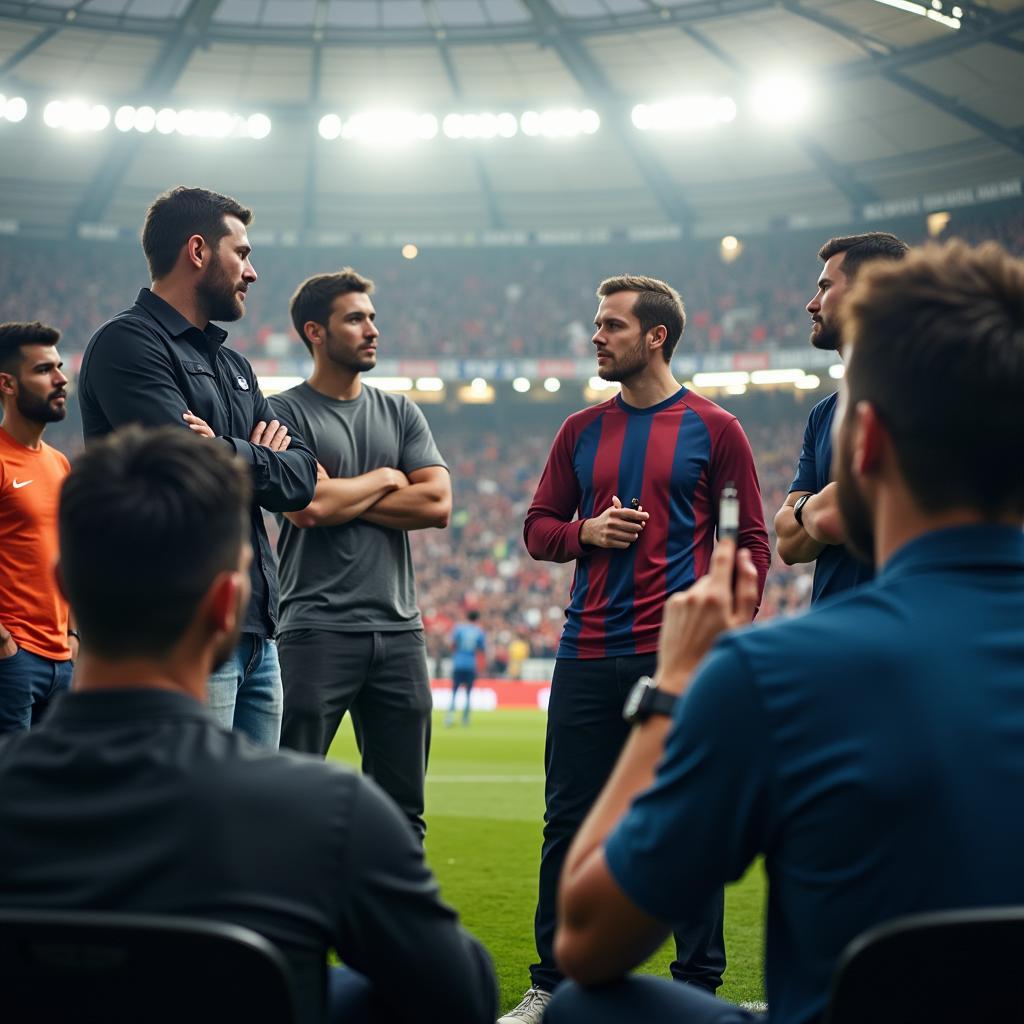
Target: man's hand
(272, 435)
(615, 527)
(822, 520)
(695, 618)
(197, 425)
(9, 648)
(74, 645)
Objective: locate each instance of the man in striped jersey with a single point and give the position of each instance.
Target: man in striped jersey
(630, 491)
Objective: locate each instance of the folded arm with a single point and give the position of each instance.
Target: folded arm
(339, 500)
(425, 503)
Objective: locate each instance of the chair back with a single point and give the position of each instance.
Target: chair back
(88, 967)
(956, 966)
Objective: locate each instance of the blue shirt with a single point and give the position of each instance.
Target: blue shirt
(467, 639)
(835, 569)
(871, 749)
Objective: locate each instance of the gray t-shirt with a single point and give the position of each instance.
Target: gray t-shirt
(356, 577)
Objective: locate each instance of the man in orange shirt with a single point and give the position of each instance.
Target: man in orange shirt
(36, 644)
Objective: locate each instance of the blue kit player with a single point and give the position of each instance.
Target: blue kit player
(468, 640)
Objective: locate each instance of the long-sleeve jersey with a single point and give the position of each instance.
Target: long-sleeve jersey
(674, 458)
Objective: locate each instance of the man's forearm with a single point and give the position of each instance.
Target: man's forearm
(795, 544)
(416, 507)
(340, 500)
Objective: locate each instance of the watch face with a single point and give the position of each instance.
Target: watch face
(635, 700)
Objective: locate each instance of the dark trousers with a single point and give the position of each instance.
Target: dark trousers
(382, 679)
(642, 1000)
(28, 683)
(585, 733)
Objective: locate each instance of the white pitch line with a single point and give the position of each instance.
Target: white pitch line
(755, 1007)
(485, 778)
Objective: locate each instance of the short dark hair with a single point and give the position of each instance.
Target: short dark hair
(871, 245)
(472, 615)
(147, 520)
(937, 345)
(14, 335)
(175, 216)
(315, 296)
(657, 303)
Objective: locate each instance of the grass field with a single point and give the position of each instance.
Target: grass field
(485, 805)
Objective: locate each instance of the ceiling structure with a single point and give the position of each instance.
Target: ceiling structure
(899, 105)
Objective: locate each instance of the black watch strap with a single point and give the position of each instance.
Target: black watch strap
(798, 507)
(645, 699)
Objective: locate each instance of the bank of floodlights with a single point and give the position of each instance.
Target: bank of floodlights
(934, 11)
(684, 113)
(82, 116)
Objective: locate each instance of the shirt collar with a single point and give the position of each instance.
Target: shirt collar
(651, 409)
(172, 321)
(981, 546)
(140, 706)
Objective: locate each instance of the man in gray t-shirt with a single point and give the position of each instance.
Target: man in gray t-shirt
(350, 634)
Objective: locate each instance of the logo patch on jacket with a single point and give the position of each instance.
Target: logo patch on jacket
(242, 382)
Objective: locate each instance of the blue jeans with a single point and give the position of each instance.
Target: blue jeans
(637, 999)
(245, 693)
(28, 682)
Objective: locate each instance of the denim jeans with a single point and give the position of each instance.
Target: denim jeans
(245, 693)
(28, 682)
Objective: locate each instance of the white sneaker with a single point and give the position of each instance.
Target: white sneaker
(530, 1010)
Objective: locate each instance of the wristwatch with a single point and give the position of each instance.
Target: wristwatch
(798, 507)
(645, 699)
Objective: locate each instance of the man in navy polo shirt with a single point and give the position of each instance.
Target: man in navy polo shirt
(872, 750)
(808, 526)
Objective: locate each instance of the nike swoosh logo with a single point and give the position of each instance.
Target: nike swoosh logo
(23, 483)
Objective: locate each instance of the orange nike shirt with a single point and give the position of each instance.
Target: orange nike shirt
(31, 606)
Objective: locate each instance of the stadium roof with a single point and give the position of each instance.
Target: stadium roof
(902, 99)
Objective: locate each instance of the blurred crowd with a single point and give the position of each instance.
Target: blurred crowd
(472, 302)
(496, 303)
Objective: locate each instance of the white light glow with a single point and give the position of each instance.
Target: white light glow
(521, 385)
(934, 13)
(258, 126)
(389, 383)
(410, 251)
(776, 376)
(329, 127)
(600, 384)
(124, 119)
(275, 385)
(429, 384)
(781, 99)
(53, 114)
(736, 389)
(836, 371)
(389, 127)
(166, 121)
(564, 123)
(15, 109)
(724, 379)
(479, 387)
(808, 382)
(145, 120)
(552, 384)
(730, 243)
(684, 113)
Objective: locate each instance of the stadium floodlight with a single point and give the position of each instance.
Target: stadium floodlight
(479, 387)
(124, 118)
(13, 108)
(808, 382)
(508, 125)
(776, 376)
(166, 121)
(389, 127)
(736, 389)
(563, 123)
(145, 119)
(257, 126)
(329, 127)
(684, 113)
(552, 384)
(600, 384)
(781, 99)
(275, 385)
(429, 384)
(836, 371)
(521, 385)
(389, 383)
(53, 114)
(933, 13)
(76, 115)
(722, 379)
(185, 123)
(410, 251)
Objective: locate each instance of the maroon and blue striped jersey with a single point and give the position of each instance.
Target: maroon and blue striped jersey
(674, 458)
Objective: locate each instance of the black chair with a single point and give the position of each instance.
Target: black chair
(61, 967)
(957, 965)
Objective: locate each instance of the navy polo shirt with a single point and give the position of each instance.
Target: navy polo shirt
(835, 569)
(871, 749)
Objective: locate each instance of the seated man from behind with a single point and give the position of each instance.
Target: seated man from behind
(872, 749)
(130, 797)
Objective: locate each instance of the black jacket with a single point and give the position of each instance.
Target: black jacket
(148, 365)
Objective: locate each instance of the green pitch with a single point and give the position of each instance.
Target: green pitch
(485, 805)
